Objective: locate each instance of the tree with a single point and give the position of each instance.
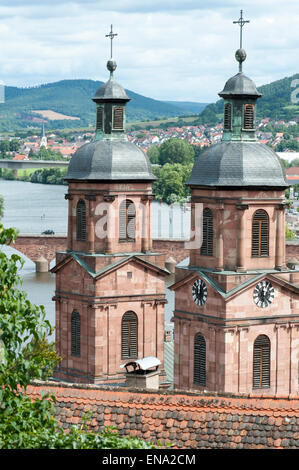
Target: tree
(26, 354)
(284, 163)
(197, 151)
(1, 206)
(153, 154)
(290, 234)
(14, 145)
(294, 162)
(4, 147)
(32, 154)
(170, 185)
(176, 151)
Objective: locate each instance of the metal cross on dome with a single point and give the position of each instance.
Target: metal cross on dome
(111, 35)
(241, 22)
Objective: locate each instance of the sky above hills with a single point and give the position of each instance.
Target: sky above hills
(165, 49)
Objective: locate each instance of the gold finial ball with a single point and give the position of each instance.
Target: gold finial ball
(111, 65)
(240, 55)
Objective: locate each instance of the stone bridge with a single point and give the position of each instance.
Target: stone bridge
(17, 164)
(36, 246)
(46, 246)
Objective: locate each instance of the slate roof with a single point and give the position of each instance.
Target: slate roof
(114, 159)
(111, 90)
(239, 85)
(238, 165)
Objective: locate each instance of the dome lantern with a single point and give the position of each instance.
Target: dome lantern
(239, 161)
(110, 157)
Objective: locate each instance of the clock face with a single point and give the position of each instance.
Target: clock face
(263, 294)
(199, 292)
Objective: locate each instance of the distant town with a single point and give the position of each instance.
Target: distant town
(275, 133)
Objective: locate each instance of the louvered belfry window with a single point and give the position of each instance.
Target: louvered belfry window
(129, 336)
(227, 116)
(81, 221)
(75, 334)
(207, 233)
(199, 360)
(99, 119)
(261, 362)
(127, 221)
(260, 234)
(118, 118)
(248, 116)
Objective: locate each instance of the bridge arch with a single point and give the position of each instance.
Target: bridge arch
(34, 246)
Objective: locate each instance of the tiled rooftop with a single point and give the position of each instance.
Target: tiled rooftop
(186, 419)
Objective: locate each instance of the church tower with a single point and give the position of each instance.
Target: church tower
(110, 292)
(236, 303)
(43, 140)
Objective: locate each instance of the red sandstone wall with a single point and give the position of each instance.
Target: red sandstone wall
(189, 420)
(174, 248)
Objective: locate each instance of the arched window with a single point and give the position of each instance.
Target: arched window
(75, 334)
(248, 121)
(260, 234)
(227, 116)
(129, 336)
(207, 233)
(127, 221)
(81, 221)
(199, 376)
(261, 362)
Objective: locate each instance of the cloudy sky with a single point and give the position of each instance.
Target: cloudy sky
(165, 49)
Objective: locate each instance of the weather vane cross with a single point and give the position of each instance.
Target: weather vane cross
(241, 22)
(111, 35)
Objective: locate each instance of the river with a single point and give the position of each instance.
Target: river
(33, 208)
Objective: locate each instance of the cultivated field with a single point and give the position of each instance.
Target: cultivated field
(53, 116)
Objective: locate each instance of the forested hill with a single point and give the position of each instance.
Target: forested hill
(73, 98)
(275, 103)
(190, 106)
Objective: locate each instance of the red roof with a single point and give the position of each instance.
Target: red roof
(186, 419)
(292, 171)
(20, 156)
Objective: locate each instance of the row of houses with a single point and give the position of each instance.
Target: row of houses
(200, 135)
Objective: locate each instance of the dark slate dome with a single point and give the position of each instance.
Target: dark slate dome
(238, 164)
(114, 159)
(111, 90)
(239, 84)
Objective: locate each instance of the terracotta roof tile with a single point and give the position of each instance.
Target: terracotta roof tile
(190, 419)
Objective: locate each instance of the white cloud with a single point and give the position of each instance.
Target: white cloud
(178, 50)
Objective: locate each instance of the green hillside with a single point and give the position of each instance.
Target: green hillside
(72, 98)
(188, 106)
(275, 103)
